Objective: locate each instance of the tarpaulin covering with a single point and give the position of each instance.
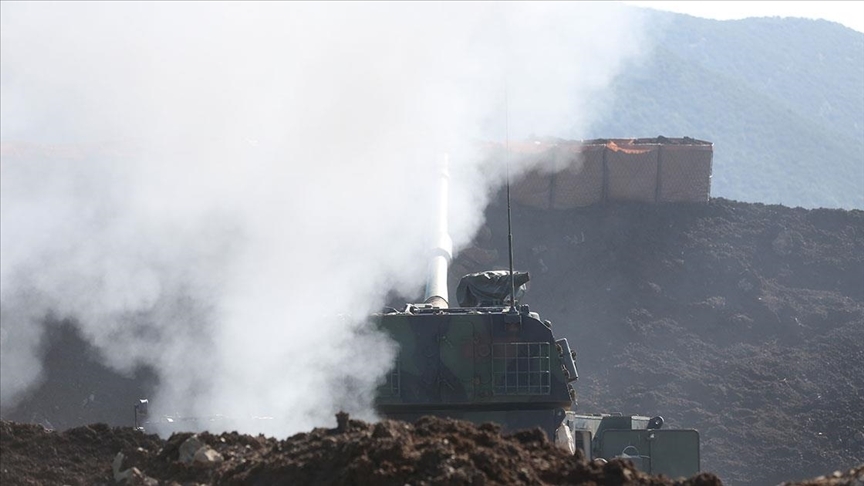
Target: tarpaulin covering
(651, 170)
(685, 173)
(631, 171)
(489, 288)
(581, 183)
(533, 189)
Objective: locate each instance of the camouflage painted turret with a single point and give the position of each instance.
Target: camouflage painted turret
(492, 360)
(480, 364)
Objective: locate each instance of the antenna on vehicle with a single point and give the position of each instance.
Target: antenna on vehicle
(509, 219)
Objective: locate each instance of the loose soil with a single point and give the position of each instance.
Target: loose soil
(432, 451)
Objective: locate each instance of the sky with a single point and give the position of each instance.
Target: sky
(850, 14)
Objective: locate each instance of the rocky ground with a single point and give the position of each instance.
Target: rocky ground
(744, 321)
(432, 451)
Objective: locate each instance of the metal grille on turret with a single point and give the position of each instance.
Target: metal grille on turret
(521, 368)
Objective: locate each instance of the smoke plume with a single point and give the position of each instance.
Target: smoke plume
(223, 191)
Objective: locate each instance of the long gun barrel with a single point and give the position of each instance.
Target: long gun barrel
(442, 253)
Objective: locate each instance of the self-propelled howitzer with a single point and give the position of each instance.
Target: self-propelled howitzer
(491, 360)
(487, 363)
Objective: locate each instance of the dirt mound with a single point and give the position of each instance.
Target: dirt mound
(852, 477)
(431, 451)
(34, 455)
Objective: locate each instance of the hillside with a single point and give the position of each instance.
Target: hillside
(744, 321)
(782, 100)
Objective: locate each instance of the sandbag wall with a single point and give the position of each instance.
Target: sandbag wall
(577, 174)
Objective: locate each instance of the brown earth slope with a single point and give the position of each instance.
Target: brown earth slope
(744, 321)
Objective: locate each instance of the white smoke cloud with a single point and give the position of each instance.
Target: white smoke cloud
(224, 190)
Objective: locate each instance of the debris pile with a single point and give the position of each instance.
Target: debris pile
(431, 451)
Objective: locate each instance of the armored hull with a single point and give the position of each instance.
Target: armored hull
(482, 364)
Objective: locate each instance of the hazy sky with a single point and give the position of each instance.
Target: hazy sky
(850, 14)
